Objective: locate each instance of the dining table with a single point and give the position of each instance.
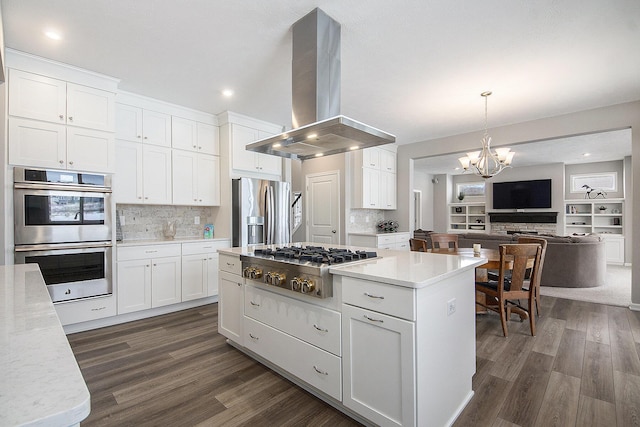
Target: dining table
(482, 271)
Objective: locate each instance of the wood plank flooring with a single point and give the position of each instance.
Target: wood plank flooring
(582, 369)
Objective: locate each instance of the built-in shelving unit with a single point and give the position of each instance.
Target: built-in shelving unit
(467, 217)
(585, 216)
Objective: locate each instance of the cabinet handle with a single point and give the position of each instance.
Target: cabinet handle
(155, 265)
(98, 309)
(254, 338)
(148, 265)
(373, 296)
(146, 198)
(320, 329)
(150, 251)
(70, 162)
(61, 161)
(230, 264)
(372, 319)
(194, 146)
(139, 197)
(320, 371)
(139, 136)
(61, 116)
(254, 304)
(70, 118)
(239, 284)
(199, 148)
(146, 137)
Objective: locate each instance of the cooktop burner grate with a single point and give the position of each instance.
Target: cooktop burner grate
(314, 254)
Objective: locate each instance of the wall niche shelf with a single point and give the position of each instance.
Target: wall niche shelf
(467, 217)
(584, 216)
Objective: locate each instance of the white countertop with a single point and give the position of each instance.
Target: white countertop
(41, 383)
(165, 241)
(378, 234)
(401, 268)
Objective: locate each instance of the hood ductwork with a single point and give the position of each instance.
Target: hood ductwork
(319, 129)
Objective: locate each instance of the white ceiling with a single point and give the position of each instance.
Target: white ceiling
(600, 147)
(414, 68)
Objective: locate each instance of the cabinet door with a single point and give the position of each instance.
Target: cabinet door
(156, 174)
(90, 150)
(243, 159)
(194, 279)
(378, 366)
(387, 190)
(156, 128)
(183, 134)
(212, 274)
(370, 188)
(134, 285)
(90, 108)
(230, 306)
(387, 161)
(128, 123)
(166, 281)
(185, 177)
(37, 97)
(127, 182)
(33, 143)
(371, 158)
(208, 180)
(208, 140)
(614, 248)
(266, 162)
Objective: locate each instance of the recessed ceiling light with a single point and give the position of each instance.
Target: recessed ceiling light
(355, 147)
(586, 154)
(319, 155)
(277, 145)
(53, 35)
(313, 135)
(227, 93)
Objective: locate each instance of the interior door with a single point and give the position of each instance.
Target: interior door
(323, 209)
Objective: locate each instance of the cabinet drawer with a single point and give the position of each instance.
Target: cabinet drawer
(204, 247)
(386, 240)
(388, 299)
(315, 325)
(129, 253)
(402, 238)
(230, 264)
(316, 367)
(85, 310)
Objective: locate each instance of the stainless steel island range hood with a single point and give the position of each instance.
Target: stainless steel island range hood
(319, 129)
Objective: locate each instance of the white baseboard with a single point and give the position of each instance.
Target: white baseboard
(635, 307)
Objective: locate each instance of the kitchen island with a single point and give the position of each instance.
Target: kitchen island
(41, 383)
(393, 345)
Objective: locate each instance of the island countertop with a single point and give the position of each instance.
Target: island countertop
(41, 383)
(400, 268)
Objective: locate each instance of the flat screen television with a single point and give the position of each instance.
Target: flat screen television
(522, 194)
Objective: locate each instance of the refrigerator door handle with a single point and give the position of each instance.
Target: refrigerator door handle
(269, 215)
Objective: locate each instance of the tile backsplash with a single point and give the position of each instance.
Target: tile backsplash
(143, 222)
(360, 223)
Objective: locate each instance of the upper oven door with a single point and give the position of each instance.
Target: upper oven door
(58, 216)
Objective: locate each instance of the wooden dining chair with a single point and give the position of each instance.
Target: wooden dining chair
(444, 240)
(418, 245)
(543, 243)
(504, 294)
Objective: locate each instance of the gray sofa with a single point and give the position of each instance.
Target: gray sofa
(570, 262)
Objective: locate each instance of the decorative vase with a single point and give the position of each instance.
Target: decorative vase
(169, 229)
(461, 196)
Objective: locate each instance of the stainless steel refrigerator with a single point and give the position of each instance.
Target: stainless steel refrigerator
(261, 212)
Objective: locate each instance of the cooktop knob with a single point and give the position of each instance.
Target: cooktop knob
(307, 286)
(296, 283)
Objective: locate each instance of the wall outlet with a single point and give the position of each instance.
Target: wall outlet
(451, 306)
(122, 221)
(352, 219)
(366, 218)
(196, 220)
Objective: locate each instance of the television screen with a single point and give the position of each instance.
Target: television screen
(522, 194)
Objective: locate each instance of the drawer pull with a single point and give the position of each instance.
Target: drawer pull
(150, 252)
(319, 370)
(373, 296)
(372, 319)
(254, 304)
(207, 247)
(254, 338)
(230, 264)
(320, 329)
(98, 309)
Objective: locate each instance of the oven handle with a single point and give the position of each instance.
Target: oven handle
(47, 247)
(56, 187)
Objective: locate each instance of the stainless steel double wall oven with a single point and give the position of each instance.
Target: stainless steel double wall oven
(63, 222)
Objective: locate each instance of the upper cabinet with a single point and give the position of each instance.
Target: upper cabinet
(136, 124)
(194, 136)
(43, 98)
(374, 178)
(57, 124)
(250, 161)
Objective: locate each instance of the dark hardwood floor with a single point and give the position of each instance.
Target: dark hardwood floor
(582, 369)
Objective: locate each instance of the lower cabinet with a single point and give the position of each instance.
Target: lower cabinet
(378, 366)
(199, 271)
(230, 306)
(70, 312)
(614, 248)
(148, 277)
(397, 241)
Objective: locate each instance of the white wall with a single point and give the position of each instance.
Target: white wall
(613, 117)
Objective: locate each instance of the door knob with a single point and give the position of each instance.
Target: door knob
(333, 231)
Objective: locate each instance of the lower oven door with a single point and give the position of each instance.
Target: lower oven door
(71, 271)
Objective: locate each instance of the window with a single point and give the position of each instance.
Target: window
(473, 191)
(607, 181)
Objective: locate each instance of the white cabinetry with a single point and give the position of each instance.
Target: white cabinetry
(374, 178)
(143, 173)
(467, 216)
(196, 178)
(243, 160)
(398, 241)
(84, 310)
(148, 276)
(199, 270)
(42, 98)
(231, 298)
(194, 136)
(140, 125)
